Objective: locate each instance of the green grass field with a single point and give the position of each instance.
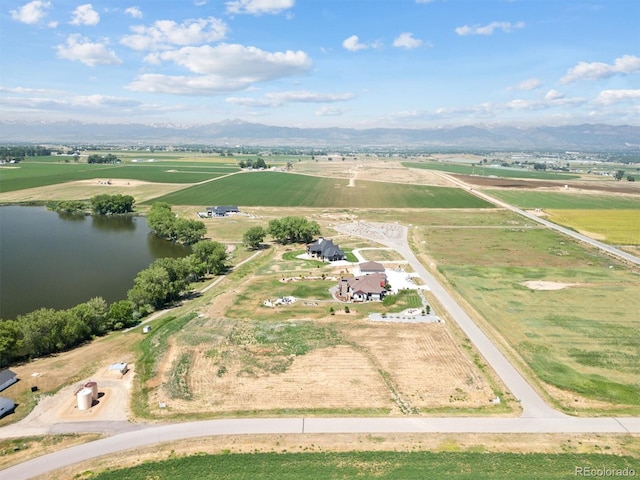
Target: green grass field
(566, 201)
(490, 171)
(583, 338)
(31, 174)
(373, 465)
(291, 190)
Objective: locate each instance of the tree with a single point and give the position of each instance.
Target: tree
(178, 271)
(112, 204)
(150, 289)
(10, 340)
(293, 229)
(121, 315)
(92, 314)
(189, 231)
(619, 175)
(253, 237)
(208, 257)
(161, 220)
(631, 178)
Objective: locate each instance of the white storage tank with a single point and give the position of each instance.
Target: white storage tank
(85, 399)
(94, 389)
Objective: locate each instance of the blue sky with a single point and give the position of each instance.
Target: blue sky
(322, 63)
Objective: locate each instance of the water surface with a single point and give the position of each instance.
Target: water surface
(56, 261)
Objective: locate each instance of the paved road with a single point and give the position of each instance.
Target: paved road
(578, 236)
(167, 433)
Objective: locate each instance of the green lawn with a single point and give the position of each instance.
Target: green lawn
(490, 171)
(566, 201)
(291, 190)
(373, 465)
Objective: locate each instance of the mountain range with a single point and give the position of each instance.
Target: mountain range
(591, 137)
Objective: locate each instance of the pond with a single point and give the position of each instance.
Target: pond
(56, 261)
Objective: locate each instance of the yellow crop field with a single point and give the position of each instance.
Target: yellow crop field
(618, 227)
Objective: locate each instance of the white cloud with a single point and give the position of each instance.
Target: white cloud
(31, 12)
(21, 90)
(406, 40)
(165, 33)
(489, 29)
(258, 7)
(529, 84)
(223, 68)
(608, 97)
(233, 60)
(595, 70)
(85, 15)
(134, 12)
(80, 49)
(353, 44)
(281, 98)
(327, 111)
(553, 95)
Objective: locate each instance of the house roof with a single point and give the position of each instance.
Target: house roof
(6, 375)
(326, 248)
(371, 267)
(369, 284)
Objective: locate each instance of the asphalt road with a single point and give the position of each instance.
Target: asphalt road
(166, 433)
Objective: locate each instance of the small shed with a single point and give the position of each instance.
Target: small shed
(6, 406)
(119, 368)
(7, 378)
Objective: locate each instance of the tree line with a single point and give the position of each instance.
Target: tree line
(166, 225)
(165, 281)
(98, 158)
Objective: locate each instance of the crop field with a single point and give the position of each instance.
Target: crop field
(618, 227)
(566, 310)
(566, 201)
(290, 190)
(488, 170)
(30, 175)
(373, 465)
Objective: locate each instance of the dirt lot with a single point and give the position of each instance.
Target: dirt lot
(84, 189)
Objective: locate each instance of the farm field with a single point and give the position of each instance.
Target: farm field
(31, 175)
(567, 201)
(489, 171)
(618, 227)
(565, 311)
(373, 464)
(291, 190)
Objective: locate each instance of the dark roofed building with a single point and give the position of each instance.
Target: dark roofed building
(222, 210)
(325, 249)
(7, 378)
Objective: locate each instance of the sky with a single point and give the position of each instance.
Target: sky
(322, 63)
